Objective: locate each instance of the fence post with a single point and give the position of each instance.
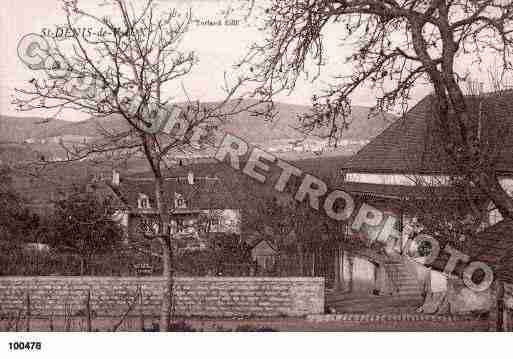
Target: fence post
(51, 322)
(88, 311)
(28, 311)
(67, 317)
(18, 319)
(141, 310)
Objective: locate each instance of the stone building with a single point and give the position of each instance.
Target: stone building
(199, 206)
(404, 170)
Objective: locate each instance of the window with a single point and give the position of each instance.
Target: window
(215, 221)
(143, 202)
(180, 201)
(180, 225)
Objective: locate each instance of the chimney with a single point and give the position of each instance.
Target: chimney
(190, 177)
(115, 178)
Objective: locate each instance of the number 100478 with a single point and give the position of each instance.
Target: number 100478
(24, 345)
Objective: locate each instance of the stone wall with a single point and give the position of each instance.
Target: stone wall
(194, 296)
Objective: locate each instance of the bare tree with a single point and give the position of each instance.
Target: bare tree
(124, 71)
(396, 44)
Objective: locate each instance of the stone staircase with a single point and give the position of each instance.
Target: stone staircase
(404, 282)
(406, 295)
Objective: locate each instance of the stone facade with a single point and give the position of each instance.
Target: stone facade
(194, 296)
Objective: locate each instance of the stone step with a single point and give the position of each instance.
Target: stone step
(405, 283)
(414, 289)
(413, 293)
(409, 286)
(409, 282)
(406, 276)
(406, 280)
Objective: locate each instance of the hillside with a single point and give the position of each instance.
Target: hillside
(18, 129)
(251, 128)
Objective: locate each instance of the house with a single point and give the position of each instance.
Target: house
(199, 206)
(405, 167)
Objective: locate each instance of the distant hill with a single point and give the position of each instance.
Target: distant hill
(251, 128)
(18, 129)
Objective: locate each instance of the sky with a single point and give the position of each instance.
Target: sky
(217, 47)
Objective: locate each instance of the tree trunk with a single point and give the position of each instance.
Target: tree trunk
(500, 306)
(167, 298)
(164, 231)
(167, 257)
(500, 198)
(28, 311)
(89, 325)
(448, 91)
(485, 179)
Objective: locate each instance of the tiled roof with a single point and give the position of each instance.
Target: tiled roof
(217, 185)
(410, 145)
(205, 193)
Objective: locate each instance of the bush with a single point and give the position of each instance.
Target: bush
(16, 261)
(250, 328)
(180, 326)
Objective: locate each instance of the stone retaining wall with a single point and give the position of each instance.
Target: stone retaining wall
(194, 296)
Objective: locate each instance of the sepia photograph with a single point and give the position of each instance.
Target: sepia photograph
(225, 166)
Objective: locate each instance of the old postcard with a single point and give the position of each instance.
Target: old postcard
(255, 166)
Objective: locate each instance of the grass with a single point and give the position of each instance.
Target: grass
(133, 324)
